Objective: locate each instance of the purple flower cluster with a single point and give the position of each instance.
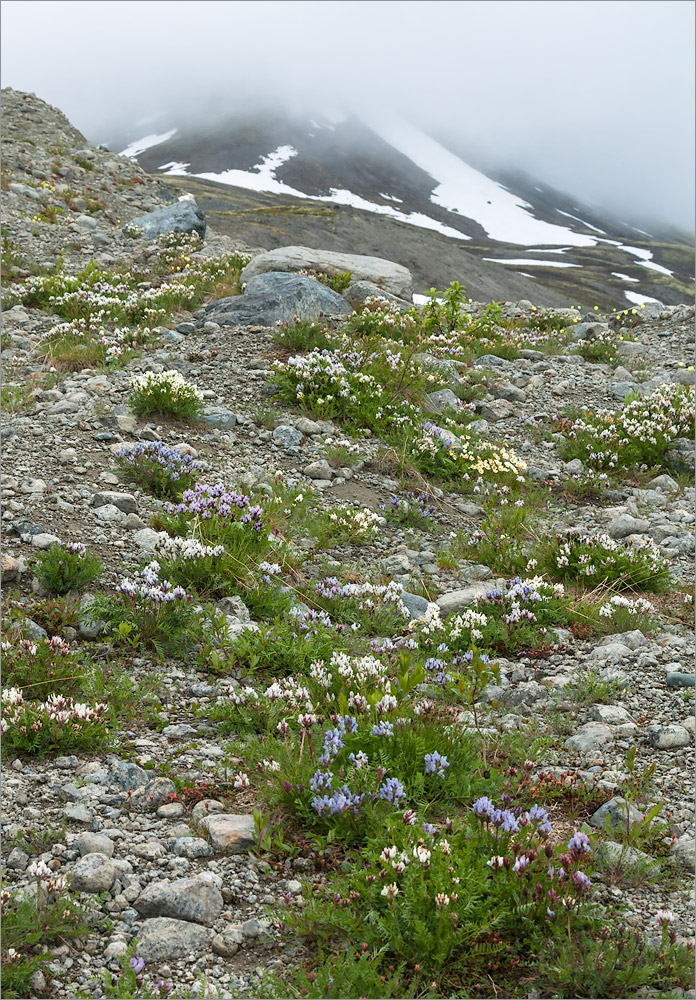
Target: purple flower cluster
(439, 669)
(342, 800)
(435, 763)
(409, 503)
(172, 463)
(217, 501)
(391, 790)
(383, 728)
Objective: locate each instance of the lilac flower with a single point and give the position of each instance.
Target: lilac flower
(436, 763)
(520, 864)
(538, 815)
(391, 790)
(347, 724)
(581, 880)
(483, 807)
(332, 742)
(137, 964)
(428, 828)
(319, 780)
(505, 820)
(383, 728)
(579, 843)
(340, 801)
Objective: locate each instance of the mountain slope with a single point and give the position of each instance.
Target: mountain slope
(399, 189)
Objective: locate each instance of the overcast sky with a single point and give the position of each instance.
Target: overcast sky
(595, 97)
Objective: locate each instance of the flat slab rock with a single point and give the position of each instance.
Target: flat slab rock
(231, 832)
(181, 217)
(163, 939)
(190, 899)
(277, 297)
(385, 274)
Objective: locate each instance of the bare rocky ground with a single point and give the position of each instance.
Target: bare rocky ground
(105, 820)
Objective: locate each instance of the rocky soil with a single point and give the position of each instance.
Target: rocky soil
(185, 883)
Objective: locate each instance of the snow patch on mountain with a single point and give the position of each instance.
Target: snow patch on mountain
(578, 219)
(624, 277)
(640, 300)
(525, 260)
(147, 142)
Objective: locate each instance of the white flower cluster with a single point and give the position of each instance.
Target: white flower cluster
(358, 523)
(638, 607)
(655, 419)
(171, 381)
(152, 589)
(187, 549)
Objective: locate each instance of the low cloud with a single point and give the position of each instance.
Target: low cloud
(595, 98)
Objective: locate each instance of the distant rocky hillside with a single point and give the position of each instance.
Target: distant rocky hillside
(383, 187)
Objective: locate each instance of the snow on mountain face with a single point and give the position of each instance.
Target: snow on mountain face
(466, 191)
(147, 142)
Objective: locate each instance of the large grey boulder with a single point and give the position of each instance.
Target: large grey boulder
(180, 217)
(386, 275)
(276, 297)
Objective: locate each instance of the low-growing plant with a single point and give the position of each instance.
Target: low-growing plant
(413, 509)
(58, 724)
(164, 472)
(167, 393)
(502, 541)
(379, 317)
(40, 667)
(343, 523)
(36, 919)
(636, 437)
(69, 566)
(598, 560)
(377, 609)
(301, 335)
(148, 611)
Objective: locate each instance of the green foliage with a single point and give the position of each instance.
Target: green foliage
(605, 961)
(148, 612)
(63, 568)
(301, 335)
(502, 539)
(588, 688)
(598, 560)
(41, 667)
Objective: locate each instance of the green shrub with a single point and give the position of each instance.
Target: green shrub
(66, 567)
(301, 335)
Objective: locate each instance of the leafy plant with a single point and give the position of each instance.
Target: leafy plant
(69, 566)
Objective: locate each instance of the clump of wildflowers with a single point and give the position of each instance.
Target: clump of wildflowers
(164, 472)
(637, 436)
(167, 393)
(599, 559)
(57, 724)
